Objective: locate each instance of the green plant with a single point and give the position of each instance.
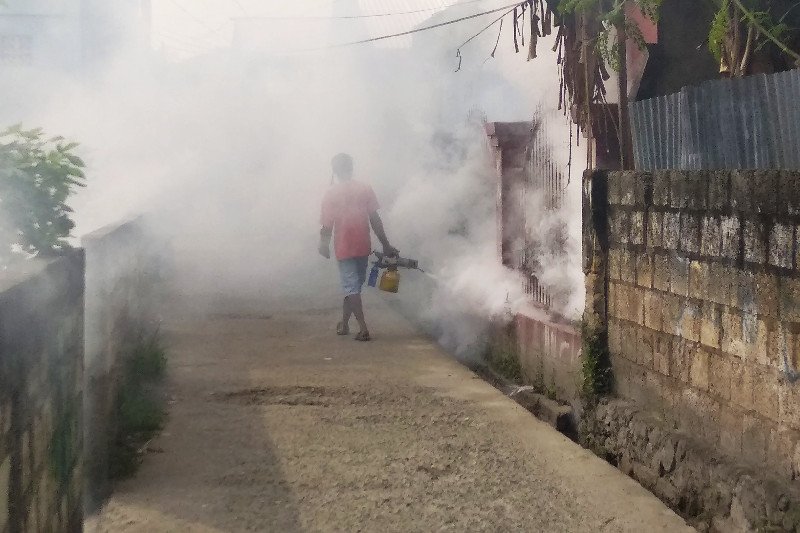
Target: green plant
(148, 361)
(719, 31)
(502, 356)
(551, 392)
(741, 27)
(63, 448)
(140, 411)
(37, 176)
(597, 377)
(507, 365)
(611, 16)
(140, 415)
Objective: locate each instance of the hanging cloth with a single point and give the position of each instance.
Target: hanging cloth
(534, 31)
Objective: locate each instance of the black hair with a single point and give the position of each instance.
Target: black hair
(342, 164)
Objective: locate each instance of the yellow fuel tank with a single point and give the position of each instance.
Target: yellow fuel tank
(390, 281)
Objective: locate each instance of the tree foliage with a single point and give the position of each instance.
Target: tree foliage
(742, 27)
(739, 28)
(611, 14)
(37, 176)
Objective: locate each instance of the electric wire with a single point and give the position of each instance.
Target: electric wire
(240, 6)
(495, 21)
(366, 16)
(187, 41)
(196, 18)
(509, 8)
(172, 42)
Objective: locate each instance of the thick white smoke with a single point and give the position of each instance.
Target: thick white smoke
(228, 153)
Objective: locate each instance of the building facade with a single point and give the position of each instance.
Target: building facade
(40, 33)
(69, 34)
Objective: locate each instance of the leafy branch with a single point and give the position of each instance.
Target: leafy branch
(775, 32)
(37, 176)
(611, 16)
(728, 43)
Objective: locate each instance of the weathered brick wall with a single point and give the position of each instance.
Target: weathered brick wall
(704, 306)
(120, 286)
(41, 381)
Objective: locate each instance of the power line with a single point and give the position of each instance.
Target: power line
(196, 18)
(509, 7)
(240, 6)
(492, 23)
(367, 16)
(187, 40)
(182, 48)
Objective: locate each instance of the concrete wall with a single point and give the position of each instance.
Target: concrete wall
(548, 346)
(549, 352)
(704, 305)
(41, 382)
(120, 286)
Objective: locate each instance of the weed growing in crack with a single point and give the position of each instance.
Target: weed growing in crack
(597, 377)
(140, 411)
(503, 357)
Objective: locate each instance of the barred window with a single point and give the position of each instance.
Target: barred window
(16, 49)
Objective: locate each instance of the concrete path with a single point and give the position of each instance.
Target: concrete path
(278, 425)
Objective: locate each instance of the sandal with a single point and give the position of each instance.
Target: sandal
(342, 329)
(362, 336)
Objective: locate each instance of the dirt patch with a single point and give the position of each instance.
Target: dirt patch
(317, 396)
(300, 395)
(241, 316)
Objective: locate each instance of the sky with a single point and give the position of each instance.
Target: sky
(187, 27)
(184, 28)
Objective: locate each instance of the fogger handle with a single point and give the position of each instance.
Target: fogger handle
(395, 261)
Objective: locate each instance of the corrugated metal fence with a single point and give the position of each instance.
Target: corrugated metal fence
(751, 122)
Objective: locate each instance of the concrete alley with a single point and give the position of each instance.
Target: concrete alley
(276, 424)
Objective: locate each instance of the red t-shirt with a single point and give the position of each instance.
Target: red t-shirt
(346, 208)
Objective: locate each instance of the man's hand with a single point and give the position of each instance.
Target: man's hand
(390, 250)
(324, 250)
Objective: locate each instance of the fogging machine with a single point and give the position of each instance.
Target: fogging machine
(390, 280)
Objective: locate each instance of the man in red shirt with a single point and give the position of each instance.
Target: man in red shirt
(348, 210)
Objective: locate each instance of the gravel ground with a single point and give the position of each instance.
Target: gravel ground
(276, 424)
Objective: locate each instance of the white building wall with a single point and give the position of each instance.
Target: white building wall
(67, 34)
(40, 33)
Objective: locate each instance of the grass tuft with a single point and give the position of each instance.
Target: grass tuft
(140, 409)
(598, 379)
(502, 355)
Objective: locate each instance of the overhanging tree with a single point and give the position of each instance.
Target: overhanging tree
(37, 176)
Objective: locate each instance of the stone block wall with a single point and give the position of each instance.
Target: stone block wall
(41, 383)
(703, 306)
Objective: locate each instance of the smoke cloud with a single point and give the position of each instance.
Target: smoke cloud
(228, 156)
